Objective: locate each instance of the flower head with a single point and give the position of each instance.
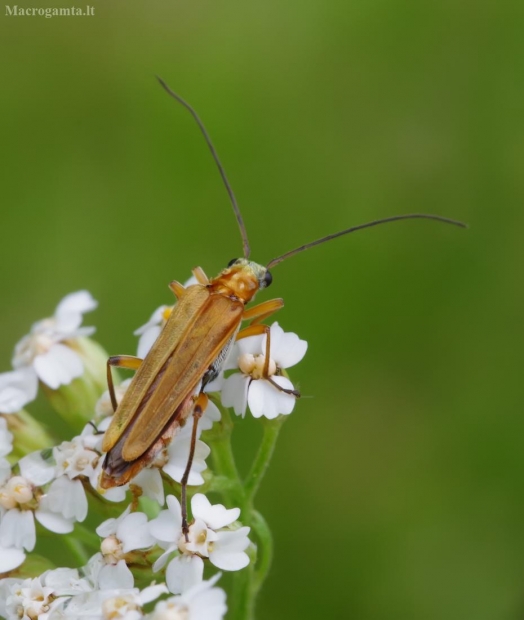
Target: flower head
(22, 500)
(250, 387)
(209, 536)
(124, 534)
(47, 354)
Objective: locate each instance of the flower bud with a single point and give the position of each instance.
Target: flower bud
(76, 401)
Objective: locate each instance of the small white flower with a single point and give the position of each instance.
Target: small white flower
(96, 573)
(28, 599)
(65, 498)
(126, 533)
(206, 538)
(45, 353)
(73, 459)
(22, 499)
(81, 457)
(249, 387)
(202, 601)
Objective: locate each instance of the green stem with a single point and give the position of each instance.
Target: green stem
(265, 550)
(224, 460)
(247, 582)
(261, 462)
(242, 601)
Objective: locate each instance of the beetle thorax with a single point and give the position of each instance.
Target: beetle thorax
(241, 280)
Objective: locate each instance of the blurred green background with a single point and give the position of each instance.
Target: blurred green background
(396, 489)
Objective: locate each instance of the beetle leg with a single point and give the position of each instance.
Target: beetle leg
(198, 411)
(262, 311)
(120, 361)
(257, 330)
(177, 288)
(201, 277)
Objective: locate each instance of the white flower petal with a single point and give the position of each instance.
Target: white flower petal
(215, 516)
(66, 581)
(150, 481)
(116, 494)
(36, 469)
(288, 349)
(167, 527)
(68, 315)
(151, 593)
(115, 576)
(147, 340)
(17, 388)
(228, 550)
(133, 532)
(110, 526)
(266, 400)
(209, 604)
(59, 366)
(183, 573)
(253, 344)
(79, 302)
(162, 560)
(216, 384)
(211, 415)
(178, 453)
(54, 522)
(66, 497)
(10, 559)
(235, 391)
(17, 529)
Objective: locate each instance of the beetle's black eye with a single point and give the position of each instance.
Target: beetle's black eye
(232, 262)
(268, 278)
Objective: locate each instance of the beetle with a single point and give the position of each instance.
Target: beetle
(169, 383)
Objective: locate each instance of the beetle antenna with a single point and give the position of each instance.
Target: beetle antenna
(395, 218)
(238, 215)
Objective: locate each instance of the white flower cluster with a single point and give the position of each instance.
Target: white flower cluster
(70, 594)
(50, 487)
(46, 354)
